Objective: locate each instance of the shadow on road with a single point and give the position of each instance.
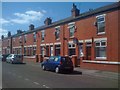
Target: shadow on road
(73, 73)
(19, 63)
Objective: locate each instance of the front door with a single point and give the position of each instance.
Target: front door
(88, 52)
(51, 50)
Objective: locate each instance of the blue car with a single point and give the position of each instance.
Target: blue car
(58, 64)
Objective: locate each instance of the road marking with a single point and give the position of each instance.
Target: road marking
(36, 83)
(20, 76)
(26, 79)
(46, 86)
(9, 72)
(43, 85)
(14, 74)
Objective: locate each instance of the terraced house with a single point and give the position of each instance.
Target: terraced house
(91, 39)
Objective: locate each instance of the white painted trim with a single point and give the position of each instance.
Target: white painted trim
(29, 46)
(34, 45)
(71, 23)
(100, 39)
(25, 46)
(103, 58)
(88, 40)
(101, 62)
(70, 42)
(51, 43)
(17, 47)
(47, 44)
(4, 47)
(57, 27)
(57, 43)
(99, 33)
(42, 45)
(80, 41)
(100, 15)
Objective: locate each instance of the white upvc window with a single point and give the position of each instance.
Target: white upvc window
(34, 37)
(100, 49)
(100, 24)
(43, 35)
(20, 39)
(71, 27)
(71, 48)
(42, 51)
(57, 33)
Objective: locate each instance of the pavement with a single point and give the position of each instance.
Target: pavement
(96, 73)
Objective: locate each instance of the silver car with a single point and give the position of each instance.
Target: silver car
(14, 58)
(1, 57)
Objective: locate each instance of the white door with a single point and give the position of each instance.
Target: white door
(51, 51)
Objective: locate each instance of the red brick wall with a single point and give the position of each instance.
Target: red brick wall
(104, 67)
(112, 34)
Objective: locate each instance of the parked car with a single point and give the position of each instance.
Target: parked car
(4, 56)
(1, 57)
(14, 58)
(58, 64)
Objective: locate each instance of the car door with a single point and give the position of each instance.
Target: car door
(55, 63)
(50, 62)
(8, 58)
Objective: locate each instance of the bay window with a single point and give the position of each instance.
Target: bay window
(71, 48)
(100, 49)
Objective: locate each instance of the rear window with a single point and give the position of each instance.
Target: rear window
(18, 56)
(66, 59)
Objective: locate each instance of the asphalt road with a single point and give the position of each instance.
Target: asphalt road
(32, 76)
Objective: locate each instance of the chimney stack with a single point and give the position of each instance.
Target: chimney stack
(75, 12)
(9, 33)
(2, 37)
(31, 27)
(19, 31)
(48, 21)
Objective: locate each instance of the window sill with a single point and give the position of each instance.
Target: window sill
(101, 33)
(58, 39)
(72, 37)
(100, 58)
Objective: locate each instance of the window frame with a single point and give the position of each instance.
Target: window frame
(71, 46)
(57, 32)
(42, 35)
(99, 22)
(34, 37)
(101, 46)
(25, 38)
(57, 47)
(71, 26)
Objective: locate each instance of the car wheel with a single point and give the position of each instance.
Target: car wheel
(43, 67)
(57, 70)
